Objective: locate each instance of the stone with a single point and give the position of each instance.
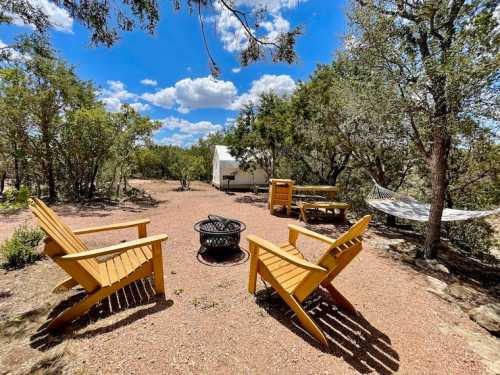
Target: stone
(462, 292)
(488, 317)
(437, 287)
(395, 244)
(433, 265)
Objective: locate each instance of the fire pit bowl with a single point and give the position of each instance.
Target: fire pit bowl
(219, 233)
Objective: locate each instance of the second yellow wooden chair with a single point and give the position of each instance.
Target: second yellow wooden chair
(294, 278)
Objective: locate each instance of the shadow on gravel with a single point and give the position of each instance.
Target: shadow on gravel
(351, 337)
(222, 258)
(137, 294)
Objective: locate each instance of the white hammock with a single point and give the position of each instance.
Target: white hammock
(405, 207)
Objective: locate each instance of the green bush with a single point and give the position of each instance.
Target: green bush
(23, 195)
(19, 250)
(15, 199)
(10, 195)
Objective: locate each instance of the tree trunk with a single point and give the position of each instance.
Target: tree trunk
(49, 162)
(2, 181)
(439, 162)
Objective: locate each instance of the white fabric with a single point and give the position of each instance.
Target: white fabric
(224, 164)
(406, 207)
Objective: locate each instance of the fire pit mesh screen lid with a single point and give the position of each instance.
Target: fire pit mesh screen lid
(219, 232)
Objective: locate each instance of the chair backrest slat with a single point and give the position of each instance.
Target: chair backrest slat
(335, 259)
(85, 272)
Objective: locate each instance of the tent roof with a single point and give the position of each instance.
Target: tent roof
(223, 152)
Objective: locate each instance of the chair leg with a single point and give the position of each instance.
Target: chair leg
(64, 285)
(252, 273)
(304, 319)
(79, 308)
(90, 300)
(338, 297)
(159, 283)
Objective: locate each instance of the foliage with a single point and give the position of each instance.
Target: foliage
(258, 136)
(186, 168)
(15, 199)
(56, 137)
(163, 161)
(19, 250)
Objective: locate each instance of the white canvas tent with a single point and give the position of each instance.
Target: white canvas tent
(225, 164)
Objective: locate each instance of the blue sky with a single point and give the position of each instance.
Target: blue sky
(176, 87)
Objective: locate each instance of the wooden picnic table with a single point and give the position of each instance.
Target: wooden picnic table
(329, 190)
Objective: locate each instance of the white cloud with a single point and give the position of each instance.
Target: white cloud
(204, 92)
(181, 140)
(112, 104)
(236, 70)
(233, 35)
(11, 53)
(187, 127)
(280, 85)
(140, 107)
(149, 82)
(185, 132)
(116, 94)
(163, 98)
(189, 93)
(58, 17)
(194, 93)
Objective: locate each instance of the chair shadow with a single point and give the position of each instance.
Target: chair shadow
(350, 336)
(222, 258)
(139, 293)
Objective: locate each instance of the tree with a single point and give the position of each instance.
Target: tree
(314, 144)
(259, 134)
(15, 122)
(131, 131)
(440, 56)
(186, 168)
(85, 143)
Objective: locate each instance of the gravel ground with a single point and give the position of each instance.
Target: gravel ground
(208, 323)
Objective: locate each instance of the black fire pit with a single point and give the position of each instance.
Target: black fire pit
(219, 233)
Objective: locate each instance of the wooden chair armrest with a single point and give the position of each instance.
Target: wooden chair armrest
(272, 248)
(310, 233)
(113, 249)
(103, 228)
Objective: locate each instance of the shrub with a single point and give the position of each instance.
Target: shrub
(19, 250)
(23, 195)
(10, 195)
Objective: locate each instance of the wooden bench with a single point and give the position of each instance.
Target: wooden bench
(326, 206)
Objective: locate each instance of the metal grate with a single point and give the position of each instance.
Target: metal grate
(218, 232)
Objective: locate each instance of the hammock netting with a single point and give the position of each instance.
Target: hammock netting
(406, 207)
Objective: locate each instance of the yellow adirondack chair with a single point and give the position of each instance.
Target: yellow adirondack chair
(100, 277)
(294, 278)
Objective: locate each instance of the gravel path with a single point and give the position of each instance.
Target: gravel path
(210, 324)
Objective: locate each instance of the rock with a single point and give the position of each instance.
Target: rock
(488, 317)
(394, 244)
(433, 265)
(407, 259)
(462, 292)
(437, 287)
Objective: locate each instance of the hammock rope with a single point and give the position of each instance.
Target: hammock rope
(406, 207)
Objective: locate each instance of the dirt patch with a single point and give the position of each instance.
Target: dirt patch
(208, 322)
